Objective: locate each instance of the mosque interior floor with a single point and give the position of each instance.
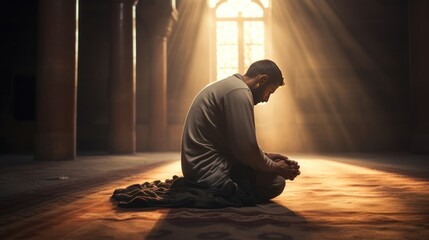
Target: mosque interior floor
(337, 196)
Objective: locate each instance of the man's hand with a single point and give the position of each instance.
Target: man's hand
(273, 156)
(278, 157)
(287, 171)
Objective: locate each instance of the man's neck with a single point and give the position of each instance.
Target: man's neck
(251, 82)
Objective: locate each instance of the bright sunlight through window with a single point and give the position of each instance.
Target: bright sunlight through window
(240, 34)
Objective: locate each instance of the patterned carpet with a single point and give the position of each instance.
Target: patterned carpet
(330, 200)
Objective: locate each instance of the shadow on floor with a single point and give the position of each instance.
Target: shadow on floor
(264, 221)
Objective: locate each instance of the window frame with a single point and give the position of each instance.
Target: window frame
(266, 19)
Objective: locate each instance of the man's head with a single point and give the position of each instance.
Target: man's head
(263, 78)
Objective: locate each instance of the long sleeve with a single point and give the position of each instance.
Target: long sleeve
(240, 128)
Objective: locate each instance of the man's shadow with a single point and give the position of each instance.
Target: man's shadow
(270, 220)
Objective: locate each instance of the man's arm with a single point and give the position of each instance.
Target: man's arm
(241, 136)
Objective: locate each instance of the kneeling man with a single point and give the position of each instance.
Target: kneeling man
(219, 146)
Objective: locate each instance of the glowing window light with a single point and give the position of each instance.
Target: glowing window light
(252, 10)
(240, 34)
(254, 47)
(265, 3)
(212, 3)
(233, 8)
(227, 48)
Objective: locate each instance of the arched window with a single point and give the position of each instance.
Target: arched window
(239, 33)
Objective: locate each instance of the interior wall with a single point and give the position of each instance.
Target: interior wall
(419, 89)
(187, 70)
(346, 66)
(188, 64)
(18, 43)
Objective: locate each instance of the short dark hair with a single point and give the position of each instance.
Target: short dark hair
(266, 67)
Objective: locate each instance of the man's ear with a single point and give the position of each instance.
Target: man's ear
(263, 78)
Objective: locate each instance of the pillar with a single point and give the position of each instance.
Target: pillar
(56, 81)
(158, 17)
(122, 77)
(158, 94)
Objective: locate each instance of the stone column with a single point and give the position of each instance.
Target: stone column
(158, 95)
(56, 81)
(158, 17)
(122, 77)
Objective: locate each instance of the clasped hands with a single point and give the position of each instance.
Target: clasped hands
(289, 168)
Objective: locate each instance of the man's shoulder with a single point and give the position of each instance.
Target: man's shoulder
(230, 88)
(229, 84)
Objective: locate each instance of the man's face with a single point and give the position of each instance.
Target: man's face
(263, 92)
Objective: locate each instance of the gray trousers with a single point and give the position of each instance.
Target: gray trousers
(264, 185)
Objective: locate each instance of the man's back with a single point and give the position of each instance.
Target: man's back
(207, 156)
